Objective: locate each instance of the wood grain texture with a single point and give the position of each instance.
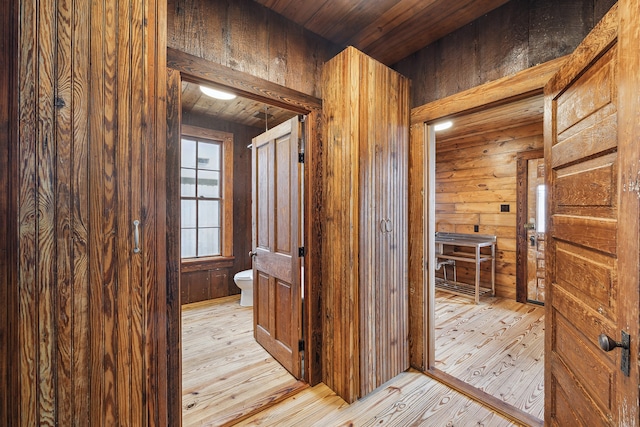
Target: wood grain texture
(600, 394)
(410, 398)
(172, 174)
(497, 347)
(364, 270)
(417, 251)
(512, 38)
(227, 375)
(86, 112)
(254, 41)
(9, 367)
(385, 30)
(476, 175)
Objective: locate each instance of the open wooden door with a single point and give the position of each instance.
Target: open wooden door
(593, 239)
(277, 301)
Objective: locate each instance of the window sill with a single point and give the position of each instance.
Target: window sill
(206, 263)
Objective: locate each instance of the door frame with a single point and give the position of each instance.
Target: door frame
(198, 70)
(522, 199)
(522, 85)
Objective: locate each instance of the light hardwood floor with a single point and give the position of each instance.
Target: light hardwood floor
(496, 346)
(217, 393)
(226, 374)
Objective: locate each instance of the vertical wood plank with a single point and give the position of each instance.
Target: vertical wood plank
(27, 217)
(80, 216)
(313, 241)
(64, 392)
(172, 175)
(364, 244)
(629, 155)
(9, 411)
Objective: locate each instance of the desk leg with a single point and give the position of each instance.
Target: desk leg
(477, 274)
(493, 270)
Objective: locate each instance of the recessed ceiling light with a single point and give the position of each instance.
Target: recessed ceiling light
(443, 125)
(217, 94)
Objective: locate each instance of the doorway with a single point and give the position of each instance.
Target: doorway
(496, 345)
(295, 104)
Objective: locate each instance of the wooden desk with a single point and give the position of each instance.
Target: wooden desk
(446, 248)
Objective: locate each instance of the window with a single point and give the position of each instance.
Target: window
(206, 195)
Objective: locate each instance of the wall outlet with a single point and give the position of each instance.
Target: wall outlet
(504, 208)
(476, 228)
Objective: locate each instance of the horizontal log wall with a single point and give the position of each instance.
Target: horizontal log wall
(516, 36)
(474, 177)
(247, 37)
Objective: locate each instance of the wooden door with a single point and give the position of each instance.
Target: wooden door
(277, 301)
(535, 230)
(592, 286)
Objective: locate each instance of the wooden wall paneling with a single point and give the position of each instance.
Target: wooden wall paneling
(503, 55)
(313, 212)
(364, 270)
(340, 292)
(417, 254)
(8, 212)
(256, 41)
(174, 318)
(491, 153)
(89, 330)
(516, 36)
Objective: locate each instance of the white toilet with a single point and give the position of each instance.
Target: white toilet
(244, 280)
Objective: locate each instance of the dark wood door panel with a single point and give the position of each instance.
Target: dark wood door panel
(277, 290)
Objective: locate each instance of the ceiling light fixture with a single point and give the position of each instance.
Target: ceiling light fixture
(443, 125)
(217, 94)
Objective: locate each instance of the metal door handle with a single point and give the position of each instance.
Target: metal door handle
(382, 226)
(252, 254)
(136, 237)
(388, 225)
(607, 344)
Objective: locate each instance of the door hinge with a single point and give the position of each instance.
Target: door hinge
(300, 157)
(301, 251)
(300, 345)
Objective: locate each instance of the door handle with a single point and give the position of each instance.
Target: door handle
(388, 225)
(136, 237)
(532, 240)
(607, 344)
(252, 254)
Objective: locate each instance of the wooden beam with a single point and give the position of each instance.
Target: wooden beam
(199, 70)
(520, 85)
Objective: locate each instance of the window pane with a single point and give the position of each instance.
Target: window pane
(188, 243)
(188, 182)
(188, 155)
(208, 241)
(188, 214)
(208, 156)
(208, 184)
(208, 213)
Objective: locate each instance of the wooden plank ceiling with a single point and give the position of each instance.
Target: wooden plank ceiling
(387, 30)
